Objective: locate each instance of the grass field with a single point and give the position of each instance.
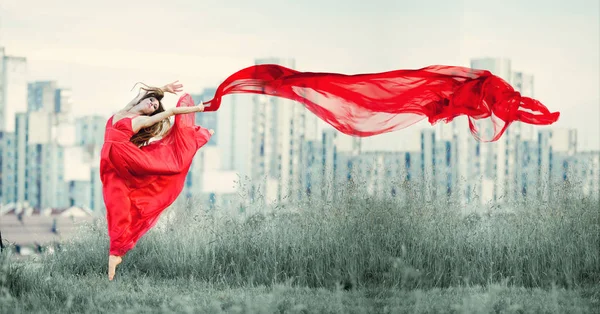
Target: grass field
(356, 255)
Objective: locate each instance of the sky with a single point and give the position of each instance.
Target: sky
(101, 49)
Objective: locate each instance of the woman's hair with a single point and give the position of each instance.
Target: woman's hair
(143, 137)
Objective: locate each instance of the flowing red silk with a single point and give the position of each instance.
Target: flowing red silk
(375, 103)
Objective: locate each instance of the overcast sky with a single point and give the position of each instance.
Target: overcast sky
(101, 48)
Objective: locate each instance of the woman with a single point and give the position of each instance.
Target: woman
(141, 177)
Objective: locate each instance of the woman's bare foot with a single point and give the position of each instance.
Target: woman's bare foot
(113, 261)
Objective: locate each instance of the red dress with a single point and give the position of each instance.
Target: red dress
(140, 183)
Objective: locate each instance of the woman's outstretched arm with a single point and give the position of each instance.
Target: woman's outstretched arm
(135, 100)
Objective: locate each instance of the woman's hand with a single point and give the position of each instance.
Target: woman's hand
(173, 88)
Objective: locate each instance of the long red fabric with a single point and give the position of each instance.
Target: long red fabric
(375, 103)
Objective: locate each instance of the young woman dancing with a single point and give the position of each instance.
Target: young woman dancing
(141, 177)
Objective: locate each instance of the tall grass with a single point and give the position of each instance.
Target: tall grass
(359, 240)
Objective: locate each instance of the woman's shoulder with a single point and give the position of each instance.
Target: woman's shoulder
(123, 115)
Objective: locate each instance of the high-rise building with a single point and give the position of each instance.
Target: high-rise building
(337, 165)
(214, 172)
(48, 97)
(13, 100)
(445, 160)
(53, 177)
(209, 119)
(428, 163)
(523, 175)
(89, 131)
(22, 137)
(280, 127)
(77, 175)
(13, 86)
(85, 186)
(63, 104)
(584, 171)
(500, 67)
(386, 173)
(9, 168)
(41, 96)
(329, 162)
(41, 174)
(556, 148)
(459, 148)
(34, 186)
(96, 197)
(207, 185)
(36, 164)
(272, 149)
(313, 177)
(233, 130)
(501, 159)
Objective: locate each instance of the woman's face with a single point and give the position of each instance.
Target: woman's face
(149, 105)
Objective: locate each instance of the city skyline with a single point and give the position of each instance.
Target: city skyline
(49, 162)
(100, 62)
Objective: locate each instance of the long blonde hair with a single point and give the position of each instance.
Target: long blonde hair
(144, 135)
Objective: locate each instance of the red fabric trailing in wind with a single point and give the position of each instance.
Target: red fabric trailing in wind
(375, 103)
